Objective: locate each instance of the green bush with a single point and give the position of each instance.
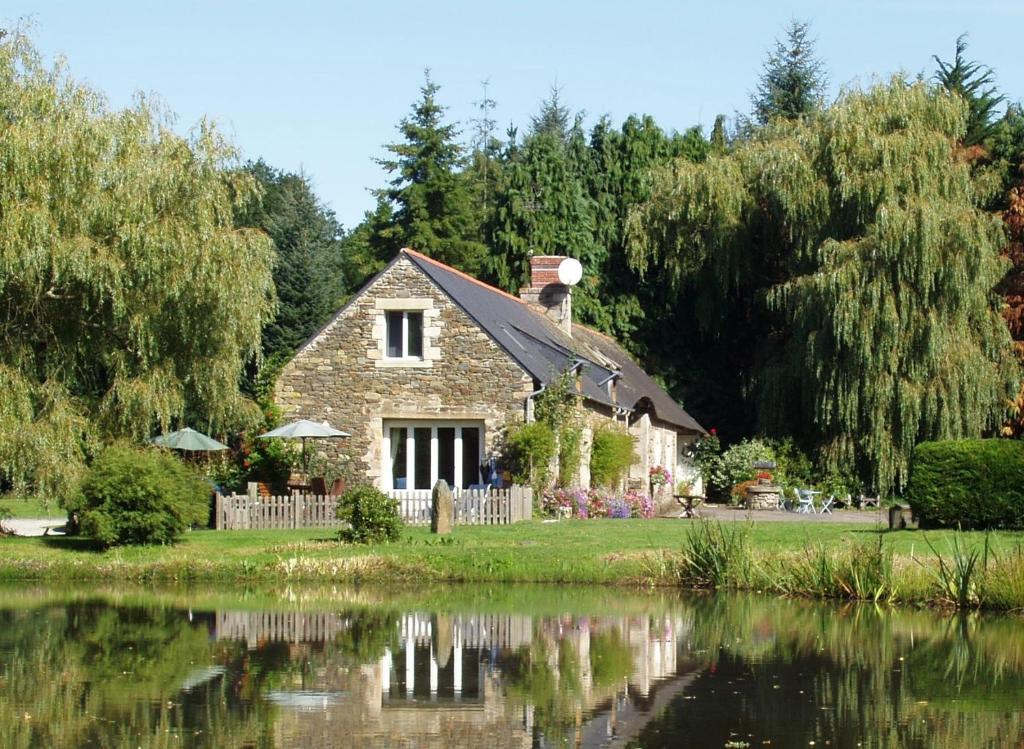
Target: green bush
(735, 466)
(139, 496)
(970, 483)
(570, 442)
(531, 448)
(611, 455)
(793, 467)
(371, 514)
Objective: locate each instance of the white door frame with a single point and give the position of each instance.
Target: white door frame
(387, 479)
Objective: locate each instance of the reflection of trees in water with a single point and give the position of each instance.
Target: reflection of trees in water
(787, 670)
(794, 672)
(98, 676)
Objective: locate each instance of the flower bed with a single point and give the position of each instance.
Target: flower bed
(595, 503)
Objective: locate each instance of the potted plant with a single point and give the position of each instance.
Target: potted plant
(659, 475)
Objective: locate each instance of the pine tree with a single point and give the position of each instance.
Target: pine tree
(554, 117)
(542, 208)
(432, 199)
(307, 238)
(718, 140)
(975, 83)
(874, 287)
(793, 80)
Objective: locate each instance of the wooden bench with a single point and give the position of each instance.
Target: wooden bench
(865, 502)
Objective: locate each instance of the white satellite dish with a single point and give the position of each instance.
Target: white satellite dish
(570, 271)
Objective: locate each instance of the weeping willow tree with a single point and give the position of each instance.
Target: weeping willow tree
(127, 298)
(855, 246)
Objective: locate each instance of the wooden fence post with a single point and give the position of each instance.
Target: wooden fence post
(218, 511)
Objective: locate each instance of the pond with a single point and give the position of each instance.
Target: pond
(496, 667)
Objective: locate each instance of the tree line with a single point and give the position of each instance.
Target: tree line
(847, 273)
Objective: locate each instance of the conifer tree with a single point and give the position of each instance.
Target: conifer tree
(793, 80)
(433, 206)
(542, 206)
(875, 286)
(554, 117)
(541, 209)
(975, 83)
(308, 273)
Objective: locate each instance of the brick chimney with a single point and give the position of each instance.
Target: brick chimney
(546, 293)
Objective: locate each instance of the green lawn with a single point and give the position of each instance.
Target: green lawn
(32, 507)
(598, 551)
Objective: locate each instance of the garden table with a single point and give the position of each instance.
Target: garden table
(689, 503)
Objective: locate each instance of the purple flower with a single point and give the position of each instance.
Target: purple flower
(619, 508)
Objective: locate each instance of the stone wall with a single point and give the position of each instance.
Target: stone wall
(340, 375)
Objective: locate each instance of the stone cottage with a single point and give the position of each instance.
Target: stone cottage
(426, 366)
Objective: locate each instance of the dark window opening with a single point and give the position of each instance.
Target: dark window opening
(446, 454)
(414, 321)
(398, 458)
(470, 456)
(422, 457)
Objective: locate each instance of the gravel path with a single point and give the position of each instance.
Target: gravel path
(722, 512)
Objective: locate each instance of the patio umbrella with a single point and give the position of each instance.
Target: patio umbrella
(188, 439)
(305, 429)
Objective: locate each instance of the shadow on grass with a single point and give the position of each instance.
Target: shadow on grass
(73, 543)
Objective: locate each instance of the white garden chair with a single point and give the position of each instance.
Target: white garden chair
(805, 500)
(826, 506)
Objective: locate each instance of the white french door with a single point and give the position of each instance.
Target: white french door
(419, 452)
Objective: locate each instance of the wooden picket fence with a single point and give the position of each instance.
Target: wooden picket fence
(477, 507)
(472, 507)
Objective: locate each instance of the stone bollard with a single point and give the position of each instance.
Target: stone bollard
(441, 508)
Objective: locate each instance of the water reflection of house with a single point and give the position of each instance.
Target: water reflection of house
(443, 684)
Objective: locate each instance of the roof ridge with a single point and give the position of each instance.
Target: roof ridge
(460, 274)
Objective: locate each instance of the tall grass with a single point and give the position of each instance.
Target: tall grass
(958, 575)
(862, 571)
(1001, 586)
(715, 555)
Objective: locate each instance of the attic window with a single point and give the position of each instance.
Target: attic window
(404, 334)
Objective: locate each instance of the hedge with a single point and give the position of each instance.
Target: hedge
(968, 483)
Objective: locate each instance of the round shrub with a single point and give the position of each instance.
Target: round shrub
(371, 514)
(970, 483)
(139, 496)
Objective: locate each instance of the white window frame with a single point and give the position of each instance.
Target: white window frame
(409, 425)
(405, 356)
(432, 326)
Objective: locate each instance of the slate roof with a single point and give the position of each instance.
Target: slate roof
(544, 351)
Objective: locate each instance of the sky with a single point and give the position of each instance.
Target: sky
(320, 87)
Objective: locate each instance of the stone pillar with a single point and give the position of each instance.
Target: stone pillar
(441, 509)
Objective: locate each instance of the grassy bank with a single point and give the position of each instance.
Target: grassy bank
(789, 558)
(31, 507)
